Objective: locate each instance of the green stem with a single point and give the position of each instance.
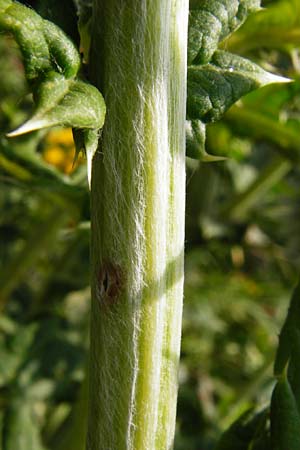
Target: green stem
(138, 61)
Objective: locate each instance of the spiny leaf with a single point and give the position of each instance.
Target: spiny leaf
(51, 65)
(210, 21)
(195, 134)
(59, 101)
(214, 87)
(44, 46)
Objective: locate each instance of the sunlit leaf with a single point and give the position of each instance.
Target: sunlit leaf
(214, 87)
(51, 64)
(211, 21)
(274, 27)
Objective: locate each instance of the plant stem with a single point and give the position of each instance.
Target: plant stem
(138, 60)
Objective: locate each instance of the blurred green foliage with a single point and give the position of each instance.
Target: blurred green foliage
(242, 256)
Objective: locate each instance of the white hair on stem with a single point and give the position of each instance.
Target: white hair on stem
(138, 200)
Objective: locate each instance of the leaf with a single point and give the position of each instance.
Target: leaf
(285, 418)
(214, 87)
(289, 333)
(288, 352)
(195, 142)
(84, 11)
(274, 27)
(262, 125)
(45, 48)
(210, 21)
(63, 14)
(51, 64)
(65, 102)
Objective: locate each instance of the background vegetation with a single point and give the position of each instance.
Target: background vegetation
(242, 253)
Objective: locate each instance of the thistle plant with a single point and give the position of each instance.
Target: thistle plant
(143, 58)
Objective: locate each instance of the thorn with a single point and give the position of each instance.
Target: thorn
(272, 78)
(27, 127)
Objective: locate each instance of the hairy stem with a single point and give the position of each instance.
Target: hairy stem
(138, 60)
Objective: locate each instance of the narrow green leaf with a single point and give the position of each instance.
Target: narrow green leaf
(210, 21)
(214, 87)
(285, 418)
(289, 346)
(195, 142)
(289, 334)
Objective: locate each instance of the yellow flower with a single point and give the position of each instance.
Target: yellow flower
(59, 150)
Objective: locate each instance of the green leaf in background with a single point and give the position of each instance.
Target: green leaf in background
(20, 429)
(274, 27)
(51, 65)
(285, 412)
(84, 8)
(210, 21)
(214, 87)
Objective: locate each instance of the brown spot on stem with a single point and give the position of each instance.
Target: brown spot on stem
(109, 283)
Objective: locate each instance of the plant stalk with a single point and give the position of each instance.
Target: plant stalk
(138, 61)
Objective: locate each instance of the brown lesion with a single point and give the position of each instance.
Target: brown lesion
(110, 283)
